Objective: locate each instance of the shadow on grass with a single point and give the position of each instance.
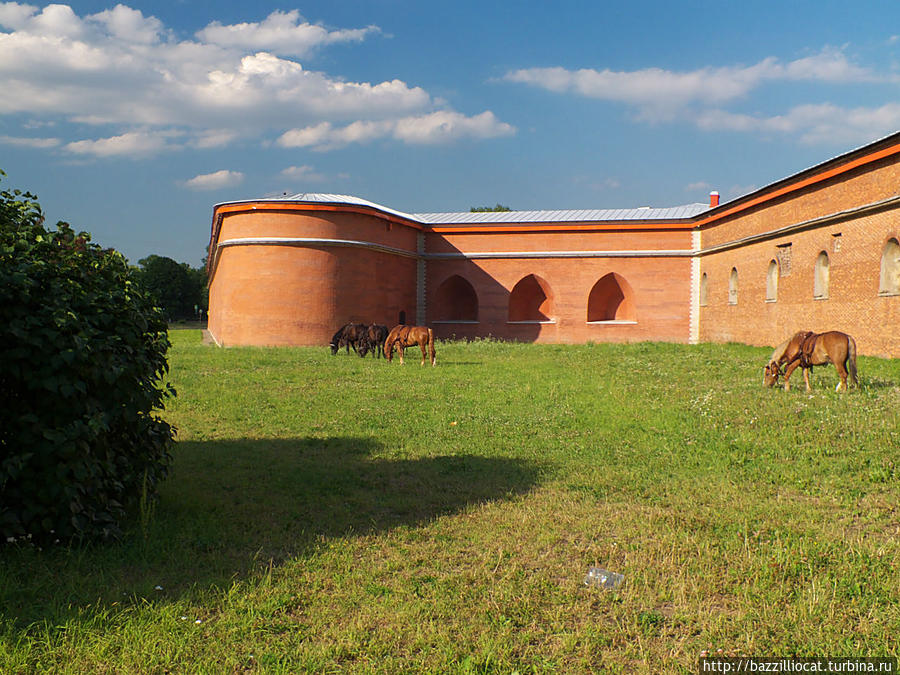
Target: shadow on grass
(231, 508)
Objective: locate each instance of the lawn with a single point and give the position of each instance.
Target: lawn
(336, 514)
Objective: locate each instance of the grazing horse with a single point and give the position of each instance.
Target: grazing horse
(402, 337)
(805, 350)
(376, 334)
(349, 335)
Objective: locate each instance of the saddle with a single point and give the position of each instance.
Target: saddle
(807, 346)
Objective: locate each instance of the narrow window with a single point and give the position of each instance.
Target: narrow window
(733, 287)
(889, 283)
(704, 290)
(820, 283)
(772, 282)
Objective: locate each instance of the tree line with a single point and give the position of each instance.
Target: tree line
(179, 290)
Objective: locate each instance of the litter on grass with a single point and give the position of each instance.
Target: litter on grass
(597, 576)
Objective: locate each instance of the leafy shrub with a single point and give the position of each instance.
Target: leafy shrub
(82, 357)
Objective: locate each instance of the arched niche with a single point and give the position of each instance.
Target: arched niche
(611, 299)
(772, 282)
(455, 300)
(889, 280)
(531, 300)
(822, 277)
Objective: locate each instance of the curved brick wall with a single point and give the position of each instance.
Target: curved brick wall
(292, 277)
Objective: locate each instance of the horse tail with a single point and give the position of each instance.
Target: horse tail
(431, 345)
(851, 360)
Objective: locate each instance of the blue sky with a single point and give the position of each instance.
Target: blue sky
(131, 121)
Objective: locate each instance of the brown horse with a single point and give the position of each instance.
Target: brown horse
(402, 337)
(805, 350)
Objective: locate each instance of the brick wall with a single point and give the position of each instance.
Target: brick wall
(854, 247)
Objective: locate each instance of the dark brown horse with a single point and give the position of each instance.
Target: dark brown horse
(349, 335)
(376, 334)
(805, 350)
(403, 336)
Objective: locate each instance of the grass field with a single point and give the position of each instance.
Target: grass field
(333, 514)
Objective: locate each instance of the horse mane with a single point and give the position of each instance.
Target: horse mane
(337, 336)
(780, 350)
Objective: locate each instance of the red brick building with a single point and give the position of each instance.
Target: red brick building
(817, 250)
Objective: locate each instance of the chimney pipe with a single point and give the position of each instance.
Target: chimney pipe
(713, 199)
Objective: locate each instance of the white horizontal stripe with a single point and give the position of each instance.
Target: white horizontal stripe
(313, 242)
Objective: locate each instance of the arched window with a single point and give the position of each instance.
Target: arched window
(820, 283)
(704, 290)
(530, 300)
(772, 282)
(611, 299)
(889, 283)
(456, 300)
(733, 287)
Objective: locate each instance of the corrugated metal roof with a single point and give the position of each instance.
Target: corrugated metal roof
(562, 216)
(325, 198)
(499, 217)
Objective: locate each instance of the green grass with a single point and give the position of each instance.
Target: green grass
(334, 514)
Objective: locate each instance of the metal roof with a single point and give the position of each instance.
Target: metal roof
(562, 216)
(499, 217)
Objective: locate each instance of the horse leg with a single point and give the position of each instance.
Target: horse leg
(806, 379)
(842, 373)
(787, 374)
(422, 347)
(400, 349)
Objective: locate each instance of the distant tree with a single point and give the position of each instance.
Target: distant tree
(177, 287)
(488, 209)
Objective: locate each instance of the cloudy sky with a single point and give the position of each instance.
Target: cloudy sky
(132, 120)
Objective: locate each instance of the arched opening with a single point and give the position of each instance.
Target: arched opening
(611, 299)
(704, 290)
(401, 318)
(456, 300)
(530, 300)
(889, 283)
(733, 287)
(772, 281)
(821, 280)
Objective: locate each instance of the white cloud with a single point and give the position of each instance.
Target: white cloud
(814, 124)
(305, 172)
(30, 142)
(281, 32)
(132, 143)
(130, 25)
(213, 138)
(430, 129)
(124, 69)
(215, 181)
(445, 126)
(664, 94)
(15, 15)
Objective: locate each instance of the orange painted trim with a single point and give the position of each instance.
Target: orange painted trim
(806, 182)
(593, 227)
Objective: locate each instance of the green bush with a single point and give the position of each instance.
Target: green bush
(82, 362)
